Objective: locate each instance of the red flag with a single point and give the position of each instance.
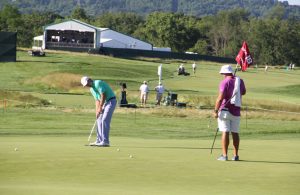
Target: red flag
(244, 58)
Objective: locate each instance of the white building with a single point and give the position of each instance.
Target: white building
(77, 34)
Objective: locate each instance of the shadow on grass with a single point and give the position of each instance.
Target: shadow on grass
(170, 147)
(54, 62)
(272, 162)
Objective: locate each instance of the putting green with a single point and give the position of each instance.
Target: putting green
(63, 165)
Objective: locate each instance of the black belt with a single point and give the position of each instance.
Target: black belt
(112, 98)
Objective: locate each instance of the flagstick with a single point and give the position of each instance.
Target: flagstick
(159, 72)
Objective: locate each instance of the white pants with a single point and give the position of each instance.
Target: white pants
(144, 96)
(104, 121)
(228, 122)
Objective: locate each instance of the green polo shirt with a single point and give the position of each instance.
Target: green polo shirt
(99, 87)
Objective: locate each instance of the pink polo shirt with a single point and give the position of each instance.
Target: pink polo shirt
(226, 87)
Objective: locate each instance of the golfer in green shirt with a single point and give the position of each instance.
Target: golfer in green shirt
(105, 101)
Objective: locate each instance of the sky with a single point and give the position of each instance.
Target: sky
(292, 2)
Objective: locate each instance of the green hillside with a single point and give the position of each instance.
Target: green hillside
(61, 73)
(257, 8)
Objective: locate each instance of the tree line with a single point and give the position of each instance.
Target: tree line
(199, 8)
(272, 40)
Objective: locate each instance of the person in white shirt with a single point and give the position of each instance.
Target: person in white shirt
(266, 68)
(194, 66)
(144, 93)
(159, 92)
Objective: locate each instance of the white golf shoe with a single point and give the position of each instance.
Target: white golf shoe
(99, 144)
(102, 144)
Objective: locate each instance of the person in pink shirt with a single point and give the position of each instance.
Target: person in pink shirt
(227, 110)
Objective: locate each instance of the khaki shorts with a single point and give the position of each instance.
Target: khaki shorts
(144, 96)
(228, 122)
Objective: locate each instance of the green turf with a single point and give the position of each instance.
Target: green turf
(63, 165)
(49, 125)
(164, 123)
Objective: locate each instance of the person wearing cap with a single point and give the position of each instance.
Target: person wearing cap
(105, 101)
(144, 93)
(159, 92)
(227, 110)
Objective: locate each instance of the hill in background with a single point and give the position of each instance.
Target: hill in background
(257, 8)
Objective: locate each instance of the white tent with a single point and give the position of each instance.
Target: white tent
(76, 34)
(112, 43)
(126, 41)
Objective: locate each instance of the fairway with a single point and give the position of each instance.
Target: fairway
(46, 117)
(63, 165)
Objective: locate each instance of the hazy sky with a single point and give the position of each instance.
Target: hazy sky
(292, 2)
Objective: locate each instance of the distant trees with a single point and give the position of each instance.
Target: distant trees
(170, 30)
(27, 25)
(123, 22)
(226, 32)
(199, 8)
(10, 18)
(79, 14)
(272, 40)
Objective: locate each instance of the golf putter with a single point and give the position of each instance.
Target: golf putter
(92, 130)
(214, 141)
(94, 127)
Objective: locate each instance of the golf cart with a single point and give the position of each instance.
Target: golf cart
(39, 52)
(170, 100)
(37, 48)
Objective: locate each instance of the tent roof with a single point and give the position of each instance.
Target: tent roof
(72, 24)
(39, 38)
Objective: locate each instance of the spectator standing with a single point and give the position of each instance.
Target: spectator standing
(144, 89)
(266, 68)
(159, 92)
(123, 101)
(194, 66)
